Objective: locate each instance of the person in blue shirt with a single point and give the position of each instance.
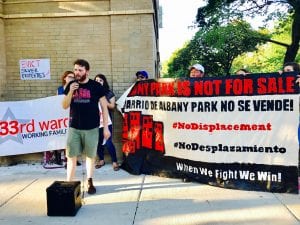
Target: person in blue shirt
(141, 75)
(55, 159)
(67, 77)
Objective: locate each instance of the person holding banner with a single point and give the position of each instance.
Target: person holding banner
(291, 67)
(242, 71)
(141, 75)
(196, 70)
(54, 159)
(82, 96)
(294, 67)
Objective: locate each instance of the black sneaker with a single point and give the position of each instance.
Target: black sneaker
(91, 188)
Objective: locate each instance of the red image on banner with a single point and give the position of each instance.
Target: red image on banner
(140, 131)
(147, 131)
(125, 130)
(134, 128)
(128, 146)
(159, 137)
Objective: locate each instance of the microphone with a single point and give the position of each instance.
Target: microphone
(76, 92)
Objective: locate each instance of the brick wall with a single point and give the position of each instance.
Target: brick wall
(2, 55)
(117, 37)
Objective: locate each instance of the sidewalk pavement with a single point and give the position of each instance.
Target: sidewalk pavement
(125, 199)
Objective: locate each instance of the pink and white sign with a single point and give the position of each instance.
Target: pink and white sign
(35, 69)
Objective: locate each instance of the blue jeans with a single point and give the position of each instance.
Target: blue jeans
(109, 145)
(299, 134)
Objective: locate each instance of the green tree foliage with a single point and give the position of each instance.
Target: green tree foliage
(218, 12)
(177, 65)
(268, 57)
(216, 48)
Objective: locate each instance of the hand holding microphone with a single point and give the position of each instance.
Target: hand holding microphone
(74, 86)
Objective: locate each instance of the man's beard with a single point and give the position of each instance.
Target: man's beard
(81, 79)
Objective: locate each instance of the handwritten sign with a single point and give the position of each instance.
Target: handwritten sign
(35, 69)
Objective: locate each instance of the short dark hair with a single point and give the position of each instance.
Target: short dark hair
(295, 65)
(83, 63)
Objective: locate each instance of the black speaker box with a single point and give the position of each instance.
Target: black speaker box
(63, 198)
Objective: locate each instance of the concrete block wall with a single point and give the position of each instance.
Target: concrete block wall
(61, 41)
(2, 55)
(117, 37)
